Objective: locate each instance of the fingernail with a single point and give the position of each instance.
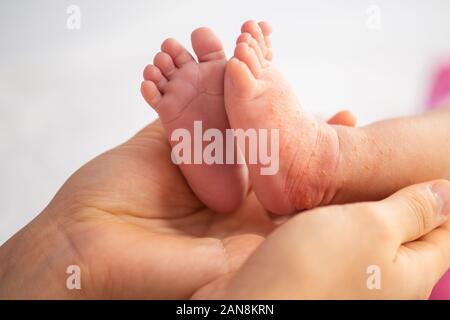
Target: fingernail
(441, 190)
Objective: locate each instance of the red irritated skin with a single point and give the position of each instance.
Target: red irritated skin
(131, 224)
(320, 163)
(183, 91)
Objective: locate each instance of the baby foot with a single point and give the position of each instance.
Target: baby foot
(182, 91)
(257, 97)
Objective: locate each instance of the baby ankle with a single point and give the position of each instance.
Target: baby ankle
(318, 183)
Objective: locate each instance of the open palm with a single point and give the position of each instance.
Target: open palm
(137, 230)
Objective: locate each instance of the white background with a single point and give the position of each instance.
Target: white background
(66, 96)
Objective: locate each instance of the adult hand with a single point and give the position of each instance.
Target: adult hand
(131, 223)
(396, 248)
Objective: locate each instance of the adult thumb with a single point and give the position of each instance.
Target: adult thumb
(416, 210)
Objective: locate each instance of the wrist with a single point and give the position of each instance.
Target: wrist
(34, 263)
(3, 265)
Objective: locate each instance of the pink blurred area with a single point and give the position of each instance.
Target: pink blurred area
(440, 89)
(442, 290)
(440, 96)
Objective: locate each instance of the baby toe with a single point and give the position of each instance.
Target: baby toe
(151, 93)
(254, 29)
(177, 52)
(165, 63)
(247, 55)
(152, 73)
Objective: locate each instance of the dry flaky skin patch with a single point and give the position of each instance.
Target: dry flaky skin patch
(318, 163)
(257, 96)
(313, 183)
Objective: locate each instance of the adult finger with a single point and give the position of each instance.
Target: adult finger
(416, 210)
